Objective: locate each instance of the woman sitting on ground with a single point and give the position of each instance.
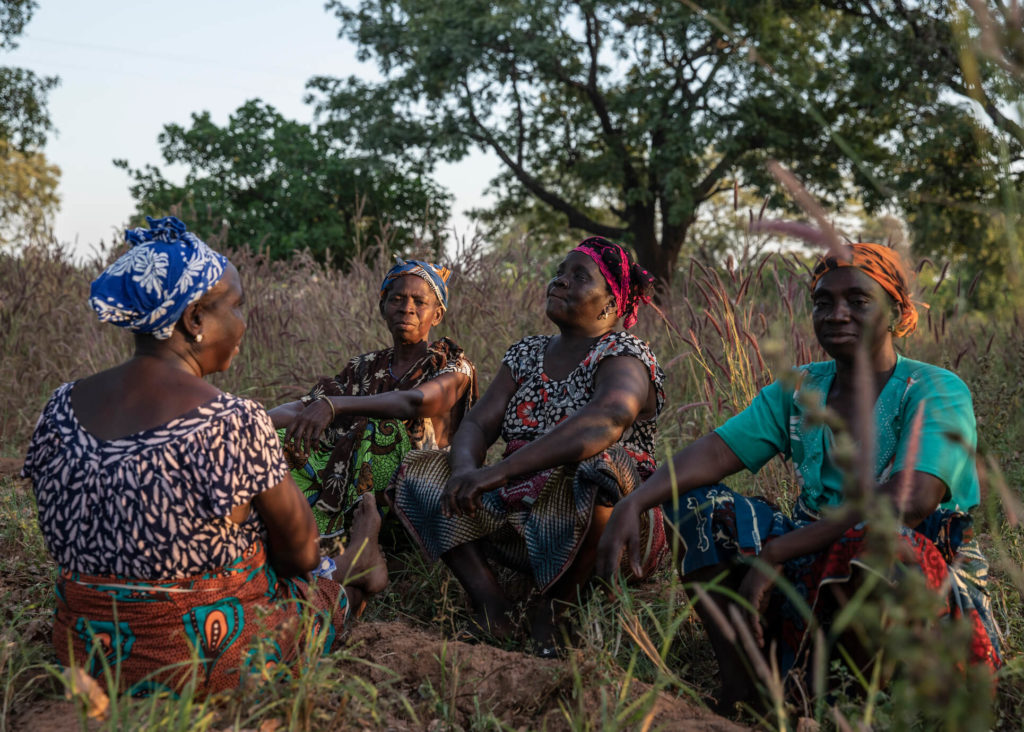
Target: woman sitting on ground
(184, 545)
(924, 468)
(349, 434)
(577, 412)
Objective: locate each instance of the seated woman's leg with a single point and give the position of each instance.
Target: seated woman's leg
(710, 529)
(736, 682)
(457, 540)
(547, 627)
(491, 605)
(362, 570)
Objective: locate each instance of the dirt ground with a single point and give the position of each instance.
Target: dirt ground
(522, 691)
(10, 466)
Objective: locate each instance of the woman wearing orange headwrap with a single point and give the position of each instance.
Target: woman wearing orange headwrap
(885, 267)
(923, 437)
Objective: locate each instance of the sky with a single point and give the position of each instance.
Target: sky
(128, 68)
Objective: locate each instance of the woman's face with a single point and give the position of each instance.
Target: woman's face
(848, 307)
(223, 322)
(578, 292)
(411, 309)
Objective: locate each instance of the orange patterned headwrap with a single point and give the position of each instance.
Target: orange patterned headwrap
(885, 267)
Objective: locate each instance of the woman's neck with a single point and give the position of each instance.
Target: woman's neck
(168, 355)
(880, 365)
(405, 355)
(580, 336)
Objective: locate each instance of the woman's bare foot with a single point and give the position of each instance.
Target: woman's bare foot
(494, 619)
(548, 631)
(363, 564)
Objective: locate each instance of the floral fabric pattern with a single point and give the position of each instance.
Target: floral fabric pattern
(148, 288)
(541, 402)
(331, 482)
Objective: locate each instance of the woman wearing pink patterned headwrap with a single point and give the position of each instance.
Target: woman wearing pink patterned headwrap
(630, 284)
(577, 411)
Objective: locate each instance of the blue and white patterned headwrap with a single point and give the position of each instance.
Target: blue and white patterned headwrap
(148, 288)
(435, 276)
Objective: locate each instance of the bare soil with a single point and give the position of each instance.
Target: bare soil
(472, 680)
(521, 690)
(10, 467)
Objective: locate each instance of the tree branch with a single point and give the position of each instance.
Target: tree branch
(577, 219)
(706, 188)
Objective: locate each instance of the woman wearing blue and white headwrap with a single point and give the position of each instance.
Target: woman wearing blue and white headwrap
(181, 537)
(348, 435)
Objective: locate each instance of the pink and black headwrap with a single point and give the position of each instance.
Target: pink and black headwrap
(630, 284)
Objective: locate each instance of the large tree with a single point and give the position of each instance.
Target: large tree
(625, 117)
(28, 182)
(284, 186)
(959, 151)
(28, 194)
(24, 119)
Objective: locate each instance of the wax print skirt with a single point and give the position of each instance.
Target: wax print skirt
(535, 524)
(364, 459)
(715, 525)
(218, 630)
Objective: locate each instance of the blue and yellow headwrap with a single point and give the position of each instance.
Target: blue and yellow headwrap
(435, 276)
(148, 288)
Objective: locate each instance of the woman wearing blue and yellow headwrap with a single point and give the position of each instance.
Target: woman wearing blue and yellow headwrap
(347, 436)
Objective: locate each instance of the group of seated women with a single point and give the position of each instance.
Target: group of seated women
(188, 533)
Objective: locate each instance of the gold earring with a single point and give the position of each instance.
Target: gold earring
(199, 337)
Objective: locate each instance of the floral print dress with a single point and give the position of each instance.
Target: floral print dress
(537, 522)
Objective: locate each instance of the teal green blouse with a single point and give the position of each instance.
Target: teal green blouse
(775, 423)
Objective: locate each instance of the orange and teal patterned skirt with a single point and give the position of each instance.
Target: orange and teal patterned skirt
(214, 630)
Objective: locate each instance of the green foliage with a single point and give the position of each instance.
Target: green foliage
(28, 194)
(624, 118)
(24, 120)
(283, 186)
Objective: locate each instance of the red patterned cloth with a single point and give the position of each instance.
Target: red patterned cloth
(221, 625)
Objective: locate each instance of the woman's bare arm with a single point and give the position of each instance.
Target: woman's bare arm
(621, 390)
(481, 427)
(430, 399)
(920, 499)
(706, 461)
(283, 415)
(292, 535)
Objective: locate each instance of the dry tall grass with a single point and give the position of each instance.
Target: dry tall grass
(727, 332)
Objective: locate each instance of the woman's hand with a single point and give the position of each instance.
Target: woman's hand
(621, 532)
(756, 589)
(304, 431)
(462, 492)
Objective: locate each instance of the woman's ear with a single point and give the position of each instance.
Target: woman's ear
(896, 314)
(192, 320)
(438, 316)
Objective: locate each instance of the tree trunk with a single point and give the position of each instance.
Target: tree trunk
(659, 257)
